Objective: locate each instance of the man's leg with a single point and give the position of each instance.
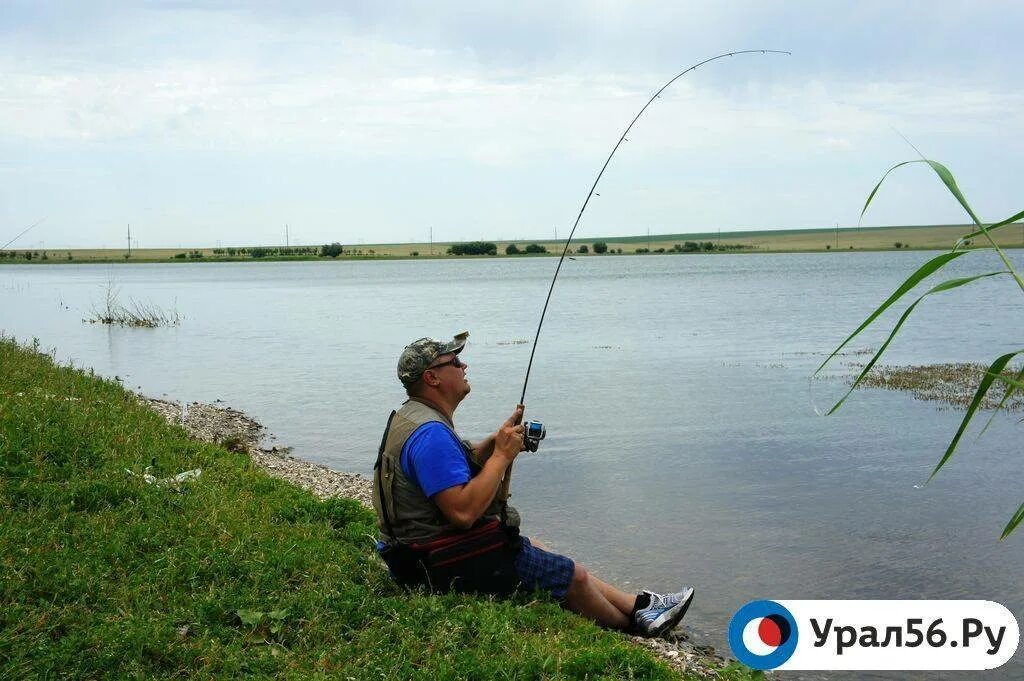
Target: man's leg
(586, 597)
(622, 601)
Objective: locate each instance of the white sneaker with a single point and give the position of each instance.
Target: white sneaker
(663, 612)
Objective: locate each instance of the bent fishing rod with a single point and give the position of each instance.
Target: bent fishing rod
(622, 138)
(535, 430)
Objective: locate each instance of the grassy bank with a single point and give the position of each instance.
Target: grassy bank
(238, 574)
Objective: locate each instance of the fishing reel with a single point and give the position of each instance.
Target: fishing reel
(533, 433)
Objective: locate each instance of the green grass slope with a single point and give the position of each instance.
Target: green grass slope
(104, 575)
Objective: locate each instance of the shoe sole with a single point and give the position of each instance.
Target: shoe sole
(676, 617)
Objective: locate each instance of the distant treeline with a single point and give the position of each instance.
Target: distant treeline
(28, 255)
(326, 251)
(334, 250)
(695, 247)
(599, 247)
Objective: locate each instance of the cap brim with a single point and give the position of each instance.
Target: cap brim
(457, 344)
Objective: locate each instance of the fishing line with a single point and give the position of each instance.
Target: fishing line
(622, 138)
(23, 233)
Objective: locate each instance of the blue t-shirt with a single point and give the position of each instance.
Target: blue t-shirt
(433, 459)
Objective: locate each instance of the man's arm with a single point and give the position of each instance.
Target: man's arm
(464, 504)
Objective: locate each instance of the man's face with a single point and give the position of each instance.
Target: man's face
(450, 371)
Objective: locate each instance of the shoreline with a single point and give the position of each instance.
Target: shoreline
(383, 257)
(239, 432)
(939, 237)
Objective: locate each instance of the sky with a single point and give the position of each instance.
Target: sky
(221, 123)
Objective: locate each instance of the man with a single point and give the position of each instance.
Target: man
(441, 523)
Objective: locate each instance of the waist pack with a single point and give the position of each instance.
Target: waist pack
(479, 560)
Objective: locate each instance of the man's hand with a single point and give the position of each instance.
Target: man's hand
(464, 504)
(508, 441)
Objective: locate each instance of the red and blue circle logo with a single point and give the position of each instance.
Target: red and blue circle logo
(763, 634)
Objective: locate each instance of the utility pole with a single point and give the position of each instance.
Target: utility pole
(129, 239)
(287, 243)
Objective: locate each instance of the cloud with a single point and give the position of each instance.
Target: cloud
(517, 102)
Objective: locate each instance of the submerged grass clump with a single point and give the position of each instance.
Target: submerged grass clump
(134, 314)
(954, 384)
(232, 574)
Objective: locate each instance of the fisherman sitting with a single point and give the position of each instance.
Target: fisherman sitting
(441, 518)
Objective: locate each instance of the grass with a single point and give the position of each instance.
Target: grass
(238, 574)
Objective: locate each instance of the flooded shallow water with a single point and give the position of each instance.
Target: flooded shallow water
(683, 445)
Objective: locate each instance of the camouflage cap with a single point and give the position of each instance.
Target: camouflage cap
(423, 352)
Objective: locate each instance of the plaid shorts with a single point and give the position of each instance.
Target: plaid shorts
(540, 569)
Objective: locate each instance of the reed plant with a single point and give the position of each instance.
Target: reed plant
(1013, 380)
(135, 314)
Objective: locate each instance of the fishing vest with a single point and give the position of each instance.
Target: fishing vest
(413, 516)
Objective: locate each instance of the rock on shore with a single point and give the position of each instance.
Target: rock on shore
(238, 432)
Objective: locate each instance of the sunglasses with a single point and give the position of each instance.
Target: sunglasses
(454, 361)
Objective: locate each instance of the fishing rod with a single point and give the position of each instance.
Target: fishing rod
(534, 431)
(23, 233)
(622, 138)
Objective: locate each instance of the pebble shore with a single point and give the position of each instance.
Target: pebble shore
(238, 432)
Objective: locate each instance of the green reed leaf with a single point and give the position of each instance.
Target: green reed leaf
(926, 270)
(994, 370)
(944, 175)
(1014, 522)
(991, 228)
(950, 182)
(939, 288)
(1012, 386)
(877, 186)
(1013, 383)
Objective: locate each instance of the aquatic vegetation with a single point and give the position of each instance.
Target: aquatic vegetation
(996, 371)
(953, 384)
(134, 314)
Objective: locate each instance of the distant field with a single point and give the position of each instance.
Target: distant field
(867, 238)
